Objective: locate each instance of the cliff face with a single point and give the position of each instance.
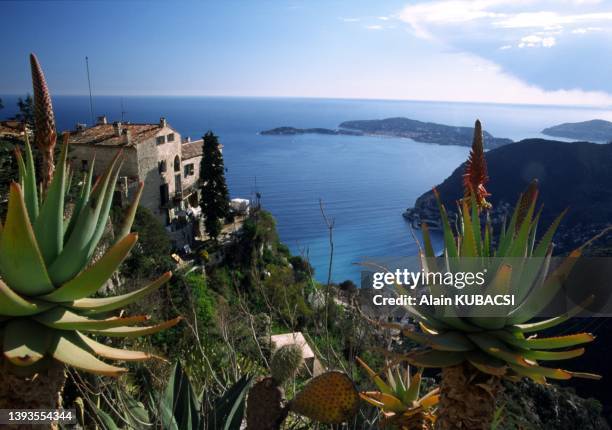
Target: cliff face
(576, 175)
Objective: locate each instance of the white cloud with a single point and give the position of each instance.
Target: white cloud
(384, 18)
(373, 27)
(586, 30)
(505, 47)
(350, 19)
(550, 20)
(535, 41)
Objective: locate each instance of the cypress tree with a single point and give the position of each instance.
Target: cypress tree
(215, 196)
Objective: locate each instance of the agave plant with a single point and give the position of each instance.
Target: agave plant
(399, 398)
(474, 350)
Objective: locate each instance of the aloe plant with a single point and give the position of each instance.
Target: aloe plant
(48, 273)
(476, 351)
(399, 398)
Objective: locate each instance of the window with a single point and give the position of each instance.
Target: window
(162, 166)
(163, 194)
(189, 169)
(177, 164)
(161, 139)
(84, 165)
(171, 137)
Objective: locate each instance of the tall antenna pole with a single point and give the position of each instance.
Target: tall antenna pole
(123, 112)
(91, 109)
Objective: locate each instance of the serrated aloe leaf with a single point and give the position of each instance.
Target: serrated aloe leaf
(105, 304)
(429, 251)
(559, 341)
(494, 347)
(70, 349)
(94, 277)
(476, 225)
(546, 240)
(432, 358)
(63, 319)
(449, 238)
(14, 305)
(468, 242)
(540, 297)
(135, 331)
(81, 201)
(30, 190)
(508, 237)
(25, 342)
(412, 393)
(375, 377)
(104, 213)
(553, 355)
(113, 353)
(537, 372)
(21, 263)
(586, 375)
(75, 255)
(131, 213)
(430, 399)
(451, 341)
(49, 226)
(555, 321)
(486, 363)
(386, 402)
(500, 284)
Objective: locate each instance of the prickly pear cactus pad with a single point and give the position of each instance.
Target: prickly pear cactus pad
(330, 398)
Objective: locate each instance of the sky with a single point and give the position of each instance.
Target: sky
(498, 51)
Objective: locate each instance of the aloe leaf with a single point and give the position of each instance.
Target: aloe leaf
(378, 381)
(70, 349)
(412, 393)
(181, 399)
(25, 342)
(21, 263)
(486, 363)
(492, 346)
(555, 321)
(113, 353)
(387, 402)
(81, 201)
(553, 355)
(429, 251)
(451, 341)
(131, 213)
(228, 410)
(540, 297)
(49, 226)
(76, 252)
(508, 237)
(538, 372)
(499, 285)
(546, 240)
(558, 341)
(104, 213)
(432, 358)
(63, 319)
(93, 278)
(468, 242)
(105, 304)
(134, 331)
(30, 190)
(14, 305)
(449, 238)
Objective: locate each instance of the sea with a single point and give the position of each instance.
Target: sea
(362, 183)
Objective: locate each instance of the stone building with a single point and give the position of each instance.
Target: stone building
(156, 154)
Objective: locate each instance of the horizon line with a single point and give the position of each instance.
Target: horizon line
(367, 99)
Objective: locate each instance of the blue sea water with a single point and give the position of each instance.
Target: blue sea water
(365, 183)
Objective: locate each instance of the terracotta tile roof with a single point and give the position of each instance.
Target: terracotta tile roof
(105, 134)
(11, 128)
(192, 149)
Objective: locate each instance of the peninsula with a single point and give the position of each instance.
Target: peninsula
(596, 130)
(424, 132)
